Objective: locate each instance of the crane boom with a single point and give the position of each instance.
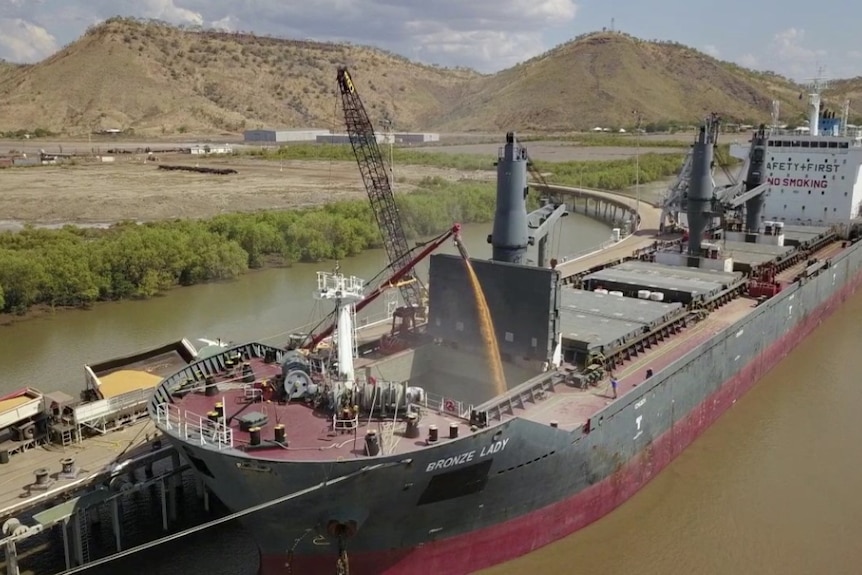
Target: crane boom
(454, 232)
(376, 181)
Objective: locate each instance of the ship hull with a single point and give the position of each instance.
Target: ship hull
(541, 483)
(495, 544)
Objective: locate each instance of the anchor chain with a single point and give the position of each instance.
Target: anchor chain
(342, 565)
(296, 541)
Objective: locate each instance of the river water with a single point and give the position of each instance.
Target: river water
(770, 488)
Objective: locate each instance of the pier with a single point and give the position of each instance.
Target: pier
(64, 488)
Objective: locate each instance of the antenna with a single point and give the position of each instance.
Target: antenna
(612, 24)
(845, 117)
(776, 109)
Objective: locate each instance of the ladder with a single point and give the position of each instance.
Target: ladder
(83, 539)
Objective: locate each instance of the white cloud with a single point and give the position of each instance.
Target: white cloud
(484, 34)
(793, 57)
(789, 53)
(21, 41)
(749, 60)
(712, 50)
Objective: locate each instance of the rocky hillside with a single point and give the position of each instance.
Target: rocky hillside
(161, 80)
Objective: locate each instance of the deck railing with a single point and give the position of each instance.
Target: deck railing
(447, 405)
(193, 428)
(345, 424)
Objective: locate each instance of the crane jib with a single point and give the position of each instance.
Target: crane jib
(375, 178)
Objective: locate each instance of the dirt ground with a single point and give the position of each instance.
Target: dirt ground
(93, 193)
(130, 188)
(557, 151)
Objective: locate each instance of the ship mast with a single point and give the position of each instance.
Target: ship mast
(845, 117)
(345, 291)
(817, 86)
(776, 112)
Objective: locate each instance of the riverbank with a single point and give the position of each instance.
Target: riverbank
(75, 267)
(200, 228)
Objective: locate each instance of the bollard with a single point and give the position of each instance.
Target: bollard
(211, 388)
(41, 476)
(412, 426)
(254, 436)
(372, 443)
(43, 480)
(68, 469)
(67, 464)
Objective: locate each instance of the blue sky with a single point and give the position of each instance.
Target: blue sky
(789, 37)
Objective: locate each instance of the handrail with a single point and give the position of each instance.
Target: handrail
(447, 405)
(589, 251)
(191, 427)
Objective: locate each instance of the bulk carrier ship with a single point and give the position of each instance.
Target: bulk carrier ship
(371, 450)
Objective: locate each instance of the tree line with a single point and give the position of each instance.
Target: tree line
(75, 267)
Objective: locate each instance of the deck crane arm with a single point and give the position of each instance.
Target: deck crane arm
(453, 232)
(376, 181)
(541, 221)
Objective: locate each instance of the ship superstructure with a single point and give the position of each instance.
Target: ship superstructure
(812, 175)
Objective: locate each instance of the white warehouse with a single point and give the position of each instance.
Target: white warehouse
(279, 136)
(416, 137)
(345, 139)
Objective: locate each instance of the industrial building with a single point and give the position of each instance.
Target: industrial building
(328, 138)
(384, 138)
(416, 137)
(283, 136)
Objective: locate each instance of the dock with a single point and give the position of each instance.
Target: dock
(63, 488)
(63, 460)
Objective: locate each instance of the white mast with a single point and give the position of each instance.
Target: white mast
(845, 117)
(346, 291)
(776, 110)
(817, 87)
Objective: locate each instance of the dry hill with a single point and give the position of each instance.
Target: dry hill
(7, 69)
(157, 78)
(599, 79)
(841, 90)
(162, 80)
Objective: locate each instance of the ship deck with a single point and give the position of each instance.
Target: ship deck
(310, 433)
(570, 407)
